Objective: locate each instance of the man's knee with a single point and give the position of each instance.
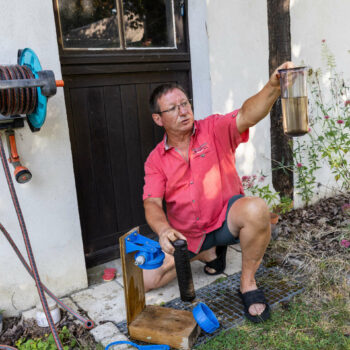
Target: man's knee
(257, 208)
(252, 211)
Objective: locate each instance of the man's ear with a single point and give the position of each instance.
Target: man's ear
(157, 119)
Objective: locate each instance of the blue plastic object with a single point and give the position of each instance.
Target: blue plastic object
(140, 347)
(30, 59)
(149, 254)
(205, 318)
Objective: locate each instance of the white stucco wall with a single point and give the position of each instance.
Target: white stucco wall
(199, 48)
(48, 201)
(237, 40)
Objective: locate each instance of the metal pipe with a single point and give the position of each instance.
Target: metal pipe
(21, 83)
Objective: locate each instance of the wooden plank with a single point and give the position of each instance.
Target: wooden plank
(134, 157)
(145, 120)
(134, 290)
(83, 170)
(124, 68)
(161, 325)
(107, 79)
(118, 145)
(136, 57)
(101, 162)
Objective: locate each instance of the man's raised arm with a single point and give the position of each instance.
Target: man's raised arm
(258, 106)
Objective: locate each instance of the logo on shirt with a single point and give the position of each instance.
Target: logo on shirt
(200, 149)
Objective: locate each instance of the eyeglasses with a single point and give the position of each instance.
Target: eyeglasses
(174, 110)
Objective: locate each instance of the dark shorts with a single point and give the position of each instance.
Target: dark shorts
(220, 236)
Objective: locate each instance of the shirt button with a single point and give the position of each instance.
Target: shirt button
(191, 182)
(193, 200)
(202, 155)
(197, 219)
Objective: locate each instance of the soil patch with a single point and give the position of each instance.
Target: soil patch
(15, 328)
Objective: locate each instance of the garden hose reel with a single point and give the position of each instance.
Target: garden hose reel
(24, 91)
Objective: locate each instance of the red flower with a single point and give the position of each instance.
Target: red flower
(340, 121)
(347, 102)
(326, 117)
(323, 40)
(299, 165)
(346, 208)
(345, 243)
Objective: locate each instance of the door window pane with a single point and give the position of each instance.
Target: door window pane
(89, 23)
(149, 23)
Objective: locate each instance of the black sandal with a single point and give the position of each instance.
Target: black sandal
(218, 264)
(255, 297)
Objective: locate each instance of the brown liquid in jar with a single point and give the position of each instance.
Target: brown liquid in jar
(295, 116)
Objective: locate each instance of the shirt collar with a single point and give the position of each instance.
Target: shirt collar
(165, 139)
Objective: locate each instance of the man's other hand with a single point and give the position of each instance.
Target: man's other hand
(167, 236)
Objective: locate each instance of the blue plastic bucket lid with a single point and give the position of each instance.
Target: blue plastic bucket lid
(205, 318)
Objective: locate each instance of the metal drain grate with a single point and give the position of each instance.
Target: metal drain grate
(222, 298)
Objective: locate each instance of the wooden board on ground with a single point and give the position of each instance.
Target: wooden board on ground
(134, 289)
(161, 325)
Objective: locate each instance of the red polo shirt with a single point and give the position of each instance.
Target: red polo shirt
(197, 191)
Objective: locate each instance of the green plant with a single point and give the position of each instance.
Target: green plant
(284, 206)
(48, 343)
(254, 185)
(328, 140)
(305, 166)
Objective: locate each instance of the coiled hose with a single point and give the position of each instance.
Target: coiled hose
(18, 100)
(29, 248)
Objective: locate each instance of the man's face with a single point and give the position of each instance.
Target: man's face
(178, 116)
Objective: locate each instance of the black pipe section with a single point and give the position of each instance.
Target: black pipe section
(183, 270)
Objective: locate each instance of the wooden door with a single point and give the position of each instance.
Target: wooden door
(113, 53)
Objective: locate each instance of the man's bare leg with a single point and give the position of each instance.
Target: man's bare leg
(249, 218)
(161, 276)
